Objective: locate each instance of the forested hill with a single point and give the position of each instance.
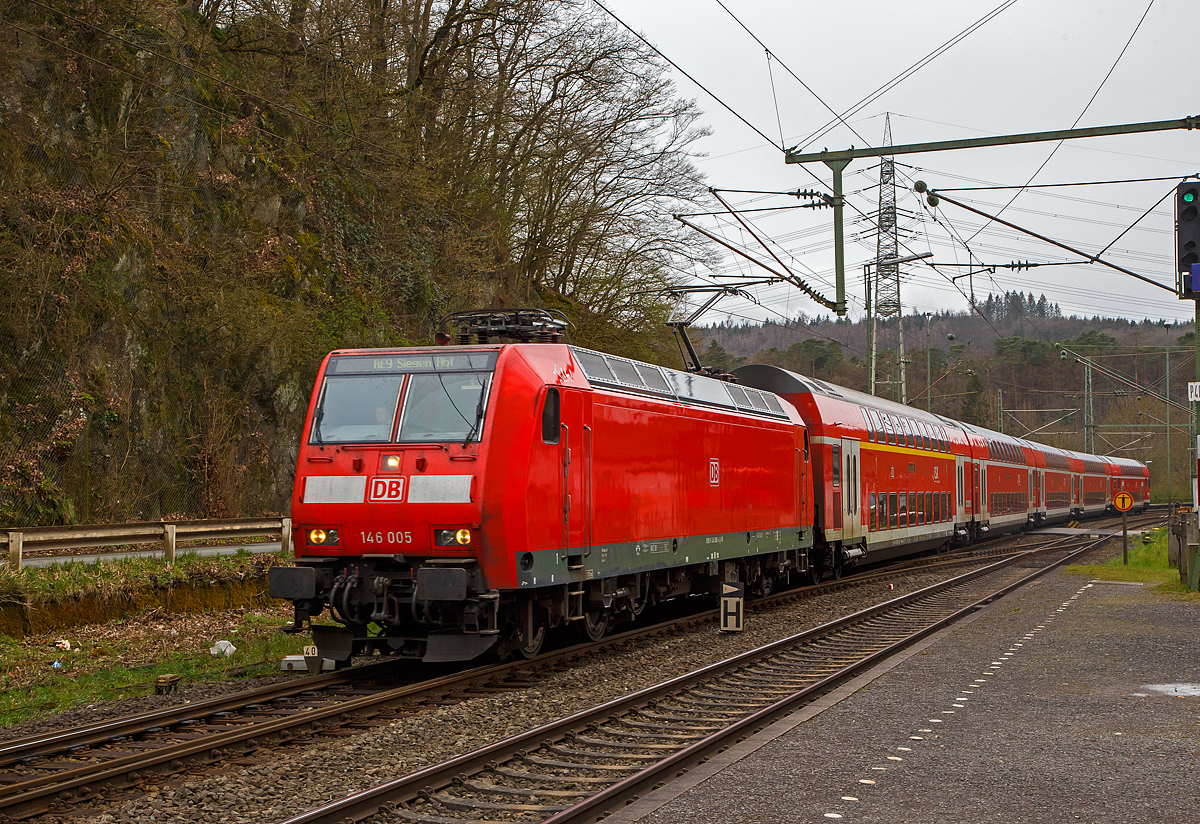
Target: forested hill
(1002, 370)
(201, 198)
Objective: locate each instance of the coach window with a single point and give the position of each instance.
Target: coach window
(837, 464)
(920, 508)
(912, 509)
(892, 510)
(870, 426)
(928, 507)
(550, 417)
(880, 435)
(903, 516)
(871, 507)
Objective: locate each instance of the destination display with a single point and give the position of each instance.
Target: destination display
(412, 362)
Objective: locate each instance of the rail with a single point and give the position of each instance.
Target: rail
(16, 542)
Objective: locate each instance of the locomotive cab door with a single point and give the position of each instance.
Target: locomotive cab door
(575, 454)
(852, 525)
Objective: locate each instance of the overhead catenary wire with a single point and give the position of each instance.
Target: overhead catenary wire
(1091, 100)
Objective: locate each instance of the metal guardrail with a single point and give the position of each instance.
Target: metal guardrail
(160, 532)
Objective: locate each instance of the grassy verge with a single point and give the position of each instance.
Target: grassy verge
(121, 659)
(47, 674)
(1147, 565)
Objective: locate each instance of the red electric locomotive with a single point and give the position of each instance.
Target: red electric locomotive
(462, 498)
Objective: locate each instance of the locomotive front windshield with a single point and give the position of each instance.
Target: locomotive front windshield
(405, 399)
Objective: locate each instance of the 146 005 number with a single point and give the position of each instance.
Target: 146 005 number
(391, 537)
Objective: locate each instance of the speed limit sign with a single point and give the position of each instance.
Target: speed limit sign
(1123, 501)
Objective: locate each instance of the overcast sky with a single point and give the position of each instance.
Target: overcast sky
(1035, 66)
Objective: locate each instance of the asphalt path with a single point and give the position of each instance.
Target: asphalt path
(43, 561)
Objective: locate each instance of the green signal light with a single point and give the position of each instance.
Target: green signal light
(1189, 196)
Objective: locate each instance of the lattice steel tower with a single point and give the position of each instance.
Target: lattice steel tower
(887, 377)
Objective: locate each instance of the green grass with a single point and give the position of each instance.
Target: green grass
(1147, 565)
(121, 659)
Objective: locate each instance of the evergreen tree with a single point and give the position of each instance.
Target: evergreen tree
(975, 407)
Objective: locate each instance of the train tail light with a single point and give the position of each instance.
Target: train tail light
(322, 537)
(452, 537)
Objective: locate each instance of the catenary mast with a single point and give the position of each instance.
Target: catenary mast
(888, 381)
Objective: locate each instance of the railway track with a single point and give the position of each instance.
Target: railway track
(90, 765)
(595, 761)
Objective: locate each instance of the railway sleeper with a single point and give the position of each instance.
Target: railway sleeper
(470, 805)
(421, 818)
(649, 725)
(696, 713)
(572, 777)
(623, 745)
(559, 749)
(505, 789)
(670, 736)
(574, 765)
(720, 719)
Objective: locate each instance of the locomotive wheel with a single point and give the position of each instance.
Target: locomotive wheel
(534, 646)
(594, 625)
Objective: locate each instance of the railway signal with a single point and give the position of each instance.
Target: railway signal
(1121, 502)
(1187, 237)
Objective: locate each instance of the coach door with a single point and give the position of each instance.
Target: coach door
(852, 526)
(962, 472)
(575, 452)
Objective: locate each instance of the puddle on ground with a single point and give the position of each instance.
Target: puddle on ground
(1174, 689)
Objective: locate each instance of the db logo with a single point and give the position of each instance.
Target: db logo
(386, 489)
(714, 472)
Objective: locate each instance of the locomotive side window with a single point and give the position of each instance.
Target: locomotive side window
(550, 417)
(837, 464)
(806, 446)
(357, 409)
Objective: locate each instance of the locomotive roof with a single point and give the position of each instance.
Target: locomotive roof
(636, 377)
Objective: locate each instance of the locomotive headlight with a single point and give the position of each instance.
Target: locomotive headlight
(323, 537)
(391, 462)
(453, 537)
